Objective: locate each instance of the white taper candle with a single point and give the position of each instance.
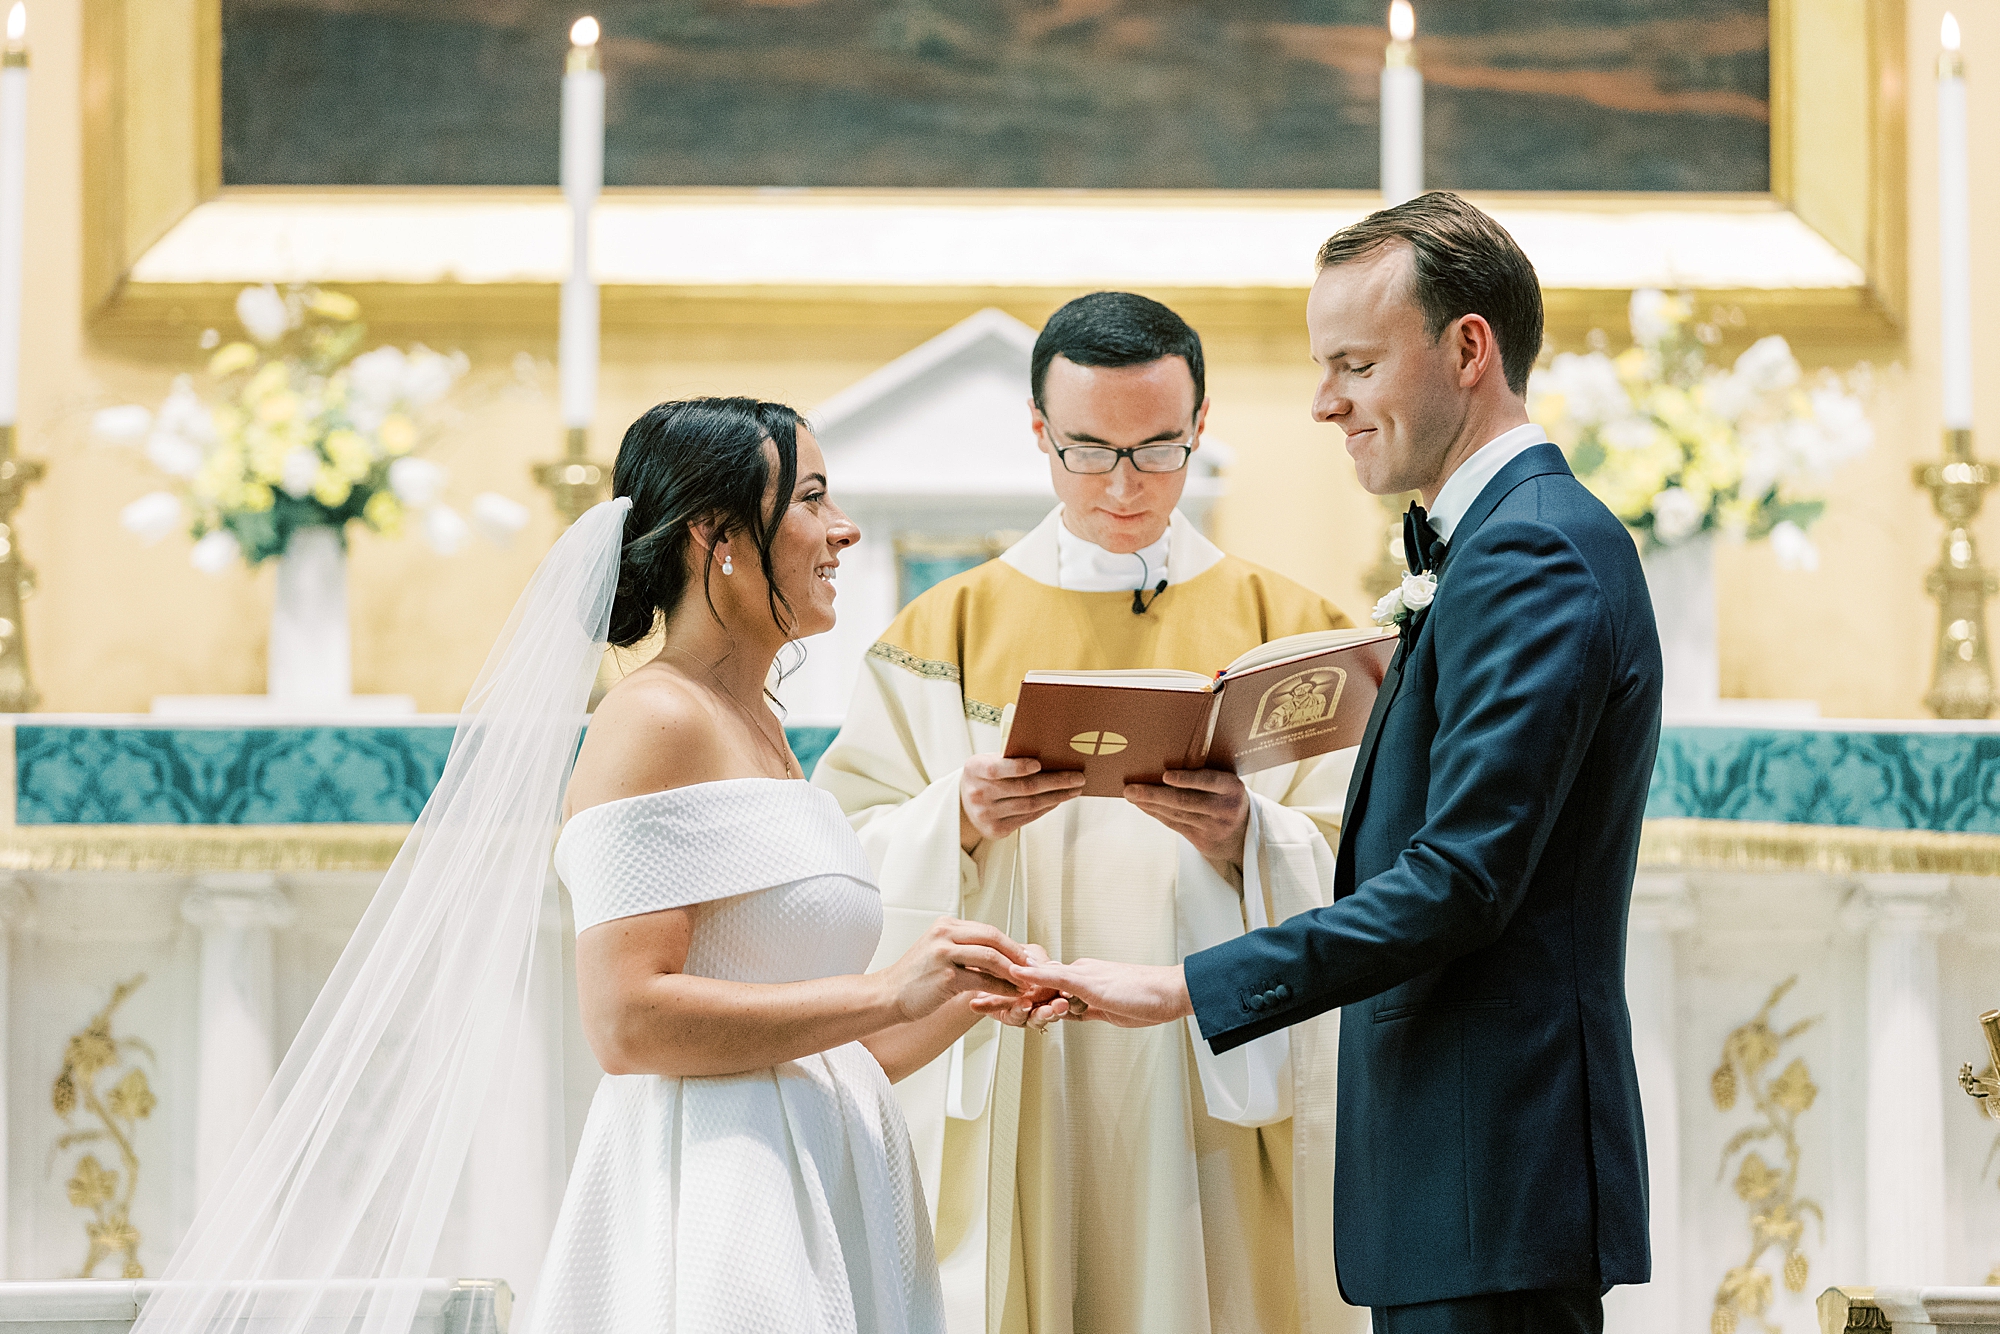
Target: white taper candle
(1402, 110)
(582, 181)
(1954, 233)
(13, 203)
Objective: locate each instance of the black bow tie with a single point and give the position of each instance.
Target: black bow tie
(1423, 549)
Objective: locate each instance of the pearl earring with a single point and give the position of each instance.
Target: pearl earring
(728, 566)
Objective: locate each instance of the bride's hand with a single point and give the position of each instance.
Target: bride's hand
(1031, 1007)
(951, 958)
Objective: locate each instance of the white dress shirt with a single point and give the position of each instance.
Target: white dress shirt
(1455, 497)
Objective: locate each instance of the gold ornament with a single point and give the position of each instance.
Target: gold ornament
(105, 1191)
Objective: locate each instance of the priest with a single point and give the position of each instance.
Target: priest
(1087, 1179)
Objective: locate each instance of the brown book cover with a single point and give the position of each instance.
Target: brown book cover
(1286, 700)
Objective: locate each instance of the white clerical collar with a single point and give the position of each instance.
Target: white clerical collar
(1053, 555)
(1084, 567)
(1460, 489)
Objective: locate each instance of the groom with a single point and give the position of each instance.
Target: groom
(1490, 1162)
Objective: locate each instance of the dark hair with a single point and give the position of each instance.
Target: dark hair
(1116, 329)
(687, 462)
(1462, 263)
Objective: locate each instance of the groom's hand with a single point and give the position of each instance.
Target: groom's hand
(1208, 807)
(1129, 995)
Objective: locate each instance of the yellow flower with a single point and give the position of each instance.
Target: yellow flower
(384, 513)
(255, 497)
(231, 358)
(277, 408)
(1631, 364)
(334, 305)
(267, 457)
(350, 454)
(332, 490)
(398, 435)
(269, 381)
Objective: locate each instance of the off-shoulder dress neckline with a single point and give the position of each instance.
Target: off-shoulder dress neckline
(677, 791)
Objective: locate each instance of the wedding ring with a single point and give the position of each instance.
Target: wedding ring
(1078, 1005)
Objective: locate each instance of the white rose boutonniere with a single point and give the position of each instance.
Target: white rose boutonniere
(1399, 604)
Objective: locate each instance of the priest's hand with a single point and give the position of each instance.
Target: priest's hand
(1209, 808)
(996, 796)
(1128, 995)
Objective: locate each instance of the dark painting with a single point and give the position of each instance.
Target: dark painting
(1089, 94)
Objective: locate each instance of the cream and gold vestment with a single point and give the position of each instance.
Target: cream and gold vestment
(1095, 1180)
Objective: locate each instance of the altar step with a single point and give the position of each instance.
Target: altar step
(110, 1306)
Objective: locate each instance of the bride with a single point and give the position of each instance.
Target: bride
(744, 1166)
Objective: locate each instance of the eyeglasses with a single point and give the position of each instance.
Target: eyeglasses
(1103, 458)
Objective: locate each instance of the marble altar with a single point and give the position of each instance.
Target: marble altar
(227, 865)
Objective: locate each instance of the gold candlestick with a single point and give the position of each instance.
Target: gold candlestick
(17, 579)
(1962, 680)
(574, 483)
(1985, 1085)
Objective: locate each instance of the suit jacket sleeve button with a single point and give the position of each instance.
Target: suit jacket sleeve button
(1282, 992)
(1257, 1002)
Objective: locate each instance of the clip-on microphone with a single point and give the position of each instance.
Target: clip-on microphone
(1139, 601)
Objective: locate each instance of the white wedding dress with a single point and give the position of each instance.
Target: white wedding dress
(781, 1201)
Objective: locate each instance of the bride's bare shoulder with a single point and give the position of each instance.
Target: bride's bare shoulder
(652, 731)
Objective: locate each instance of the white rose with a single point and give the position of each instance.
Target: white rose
(445, 530)
(497, 518)
(1843, 423)
(151, 517)
(173, 455)
(1651, 313)
(300, 471)
(1794, 550)
(215, 552)
(1386, 610)
(416, 482)
(185, 415)
(264, 313)
(126, 425)
(1730, 396)
(1418, 590)
(375, 379)
(428, 376)
(1767, 365)
(1631, 433)
(1591, 389)
(1676, 515)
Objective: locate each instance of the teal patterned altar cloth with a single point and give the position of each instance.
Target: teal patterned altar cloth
(149, 775)
(1909, 778)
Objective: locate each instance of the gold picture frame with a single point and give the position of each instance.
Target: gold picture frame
(152, 134)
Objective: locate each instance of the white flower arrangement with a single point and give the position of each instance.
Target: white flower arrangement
(1677, 447)
(304, 434)
(1405, 600)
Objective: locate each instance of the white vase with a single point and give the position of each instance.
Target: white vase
(309, 663)
(1681, 579)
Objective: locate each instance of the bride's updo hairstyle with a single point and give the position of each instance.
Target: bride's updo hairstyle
(686, 462)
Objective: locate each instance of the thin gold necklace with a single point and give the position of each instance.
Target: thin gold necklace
(786, 760)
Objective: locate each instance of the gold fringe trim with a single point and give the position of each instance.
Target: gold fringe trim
(1748, 845)
(933, 670)
(1683, 845)
(173, 849)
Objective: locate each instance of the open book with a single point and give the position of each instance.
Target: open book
(1285, 700)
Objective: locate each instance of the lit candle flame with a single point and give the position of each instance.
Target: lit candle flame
(1949, 33)
(17, 22)
(584, 32)
(1402, 20)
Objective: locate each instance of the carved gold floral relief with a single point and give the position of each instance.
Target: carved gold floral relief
(1768, 1188)
(101, 1085)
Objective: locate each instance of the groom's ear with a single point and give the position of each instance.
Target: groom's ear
(1475, 349)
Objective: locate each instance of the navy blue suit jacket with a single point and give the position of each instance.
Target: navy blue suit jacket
(1489, 1137)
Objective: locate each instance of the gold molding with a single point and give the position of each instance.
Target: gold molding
(1682, 845)
(153, 151)
(1748, 845)
(174, 849)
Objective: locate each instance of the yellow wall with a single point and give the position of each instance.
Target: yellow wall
(116, 624)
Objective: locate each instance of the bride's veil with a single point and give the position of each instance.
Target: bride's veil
(330, 1214)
